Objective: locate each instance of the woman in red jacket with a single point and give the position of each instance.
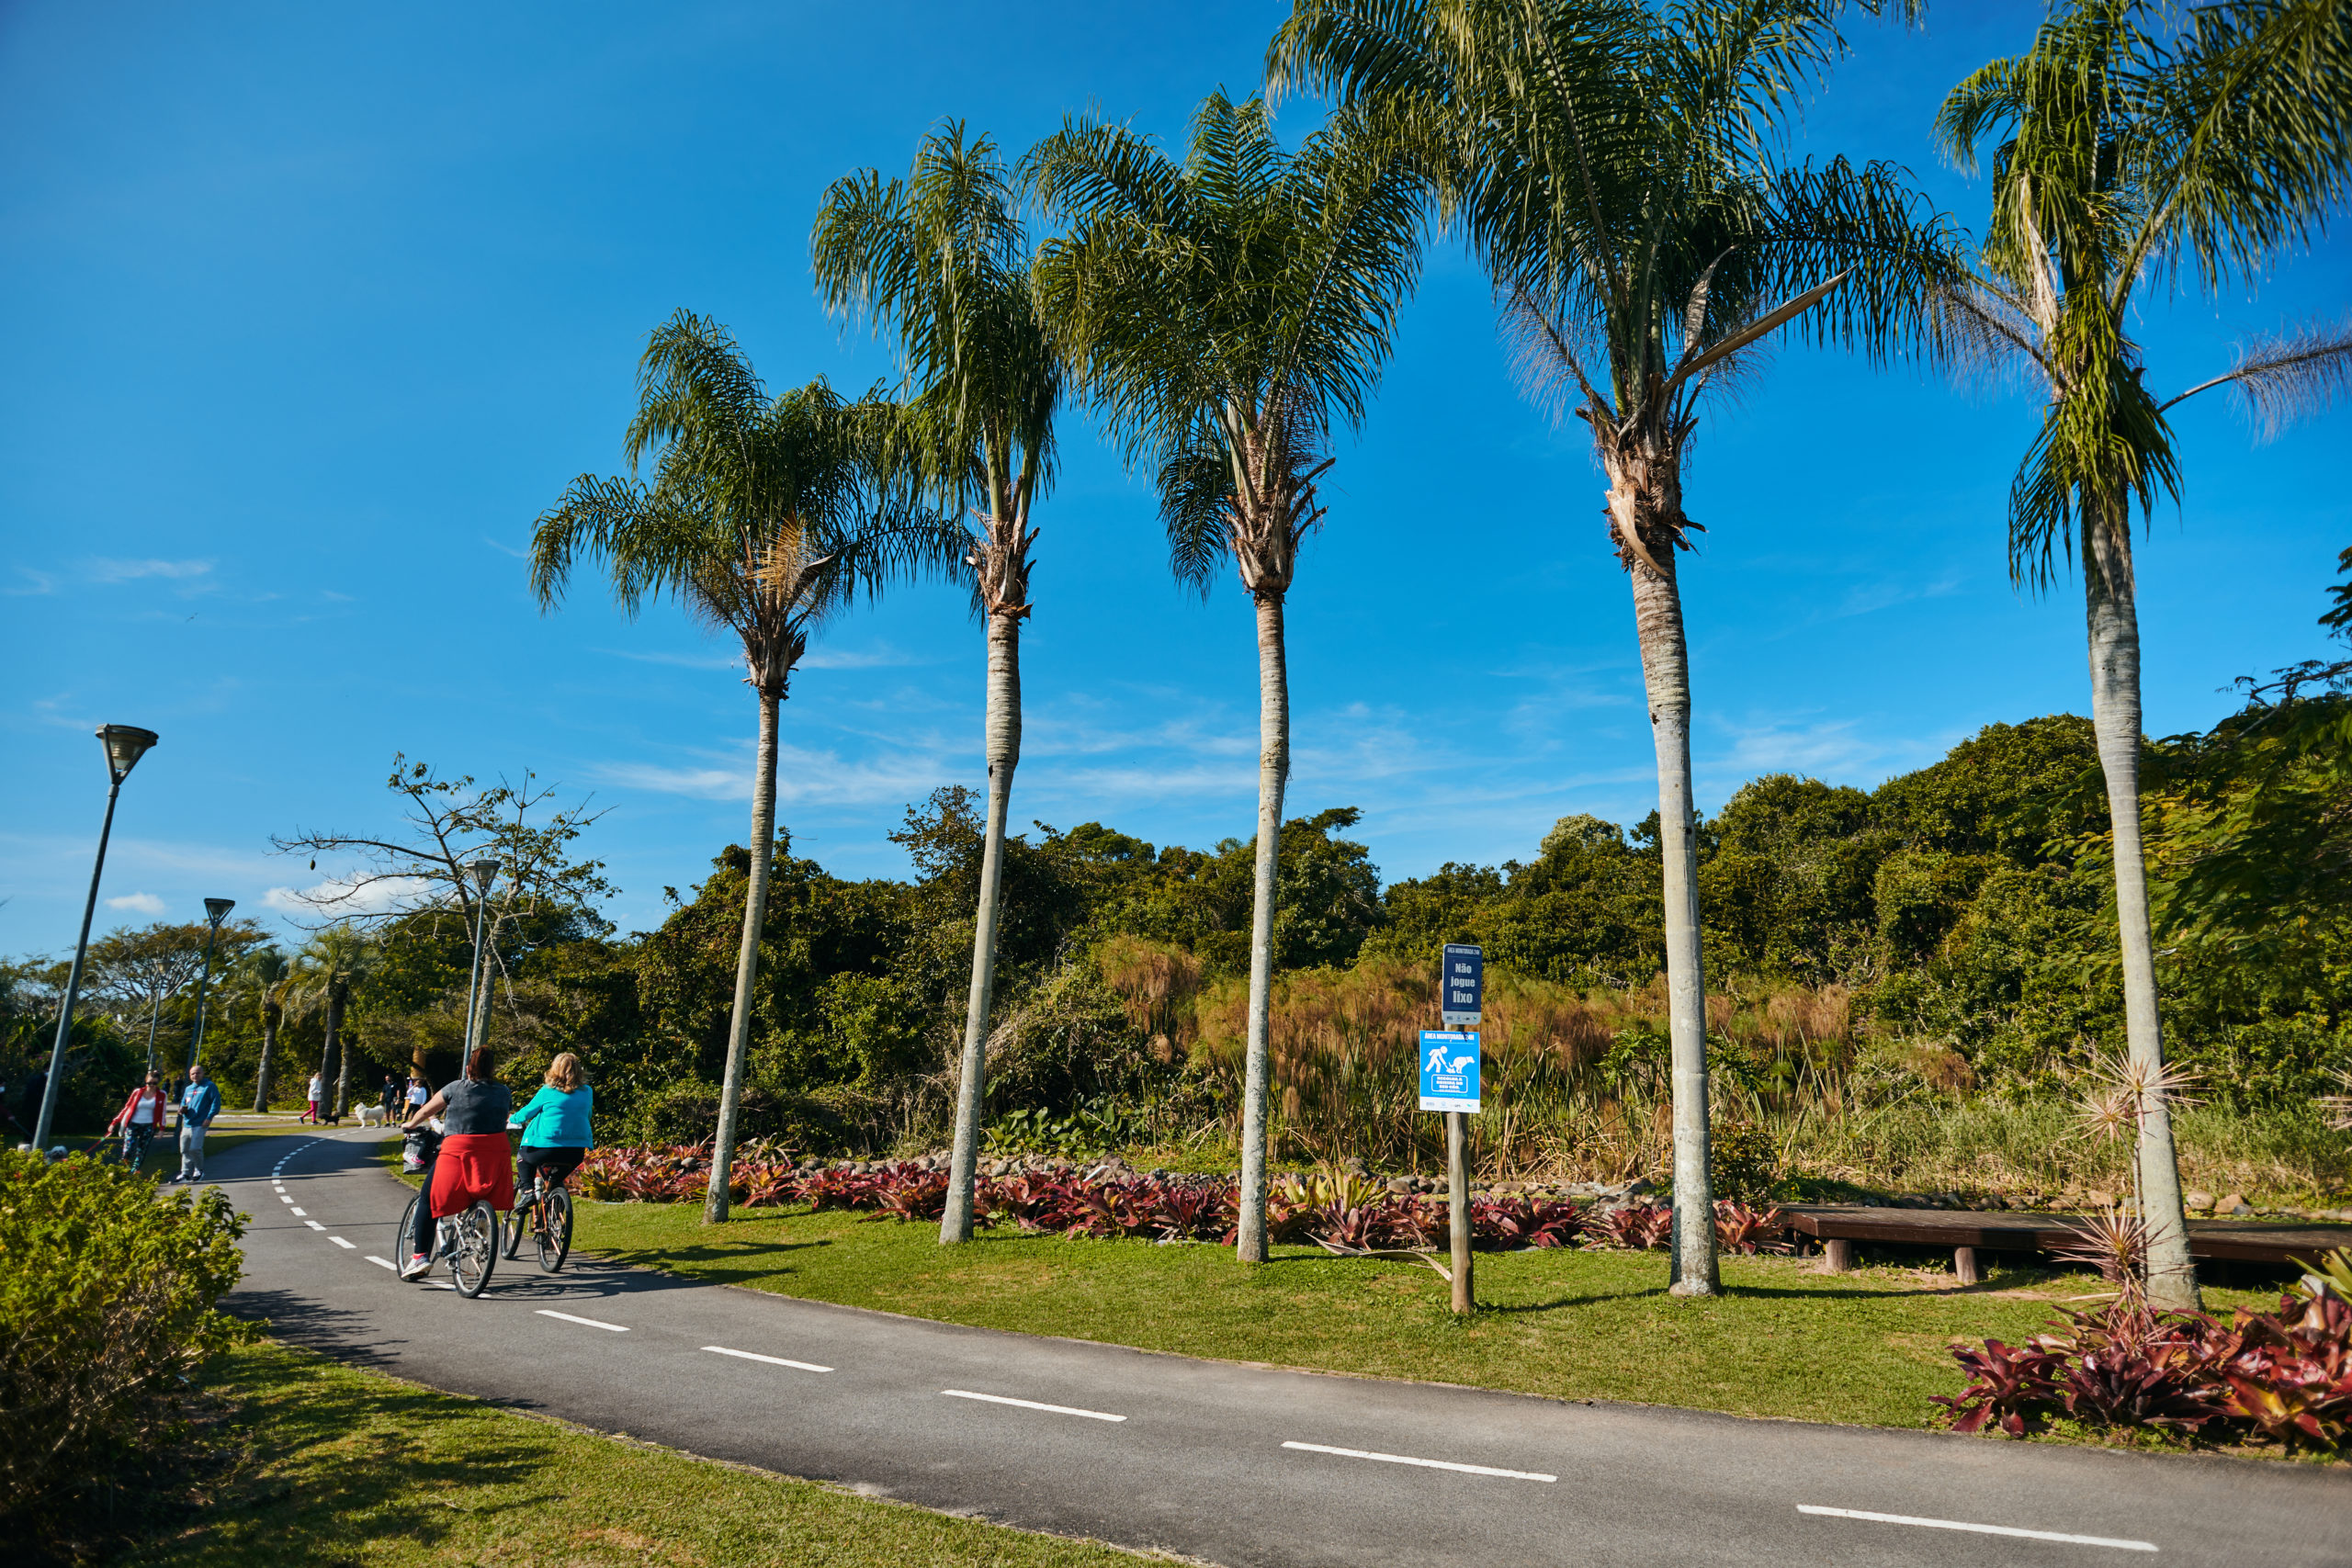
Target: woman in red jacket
(139, 1119)
(476, 1162)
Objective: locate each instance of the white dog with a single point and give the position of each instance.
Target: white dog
(371, 1116)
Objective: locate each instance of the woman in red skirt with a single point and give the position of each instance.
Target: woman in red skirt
(476, 1163)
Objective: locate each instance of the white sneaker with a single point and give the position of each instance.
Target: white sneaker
(417, 1266)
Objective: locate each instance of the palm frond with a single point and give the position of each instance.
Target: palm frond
(2285, 377)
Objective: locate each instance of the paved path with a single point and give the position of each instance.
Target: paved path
(1240, 1465)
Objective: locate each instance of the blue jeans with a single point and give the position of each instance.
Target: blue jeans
(191, 1151)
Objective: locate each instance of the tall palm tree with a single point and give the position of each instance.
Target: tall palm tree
(764, 516)
(271, 978)
(943, 259)
(1612, 164)
(335, 962)
(1222, 313)
(2125, 158)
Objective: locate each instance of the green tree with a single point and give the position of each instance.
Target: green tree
(1612, 164)
(335, 962)
(942, 257)
(269, 977)
(1222, 313)
(764, 516)
(2123, 158)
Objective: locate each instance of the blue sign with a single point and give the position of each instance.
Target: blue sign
(1449, 1070)
(1461, 984)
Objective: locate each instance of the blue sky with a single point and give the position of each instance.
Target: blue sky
(312, 309)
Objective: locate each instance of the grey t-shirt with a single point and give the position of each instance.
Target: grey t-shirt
(475, 1106)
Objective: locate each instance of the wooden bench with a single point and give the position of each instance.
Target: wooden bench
(1838, 1226)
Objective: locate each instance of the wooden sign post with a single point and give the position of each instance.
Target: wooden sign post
(1450, 1084)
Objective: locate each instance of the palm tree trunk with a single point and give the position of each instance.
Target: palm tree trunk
(747, 961)
(1636, 494)
(269, 1058)
(331, 1059)
(971, 1087)
(1273, 773)
(2112, 612)
(342, 1067)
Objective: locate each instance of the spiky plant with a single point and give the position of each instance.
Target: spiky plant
(2127, 153)
(942, 259)
(1225, 313)
(1612, 163)
(764, 518)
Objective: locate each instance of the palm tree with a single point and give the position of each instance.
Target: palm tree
(1221, 313)
(334, 963)
(944, 257)
(1612, 165)
(764, 517)
(2123, 158)
(271, 977)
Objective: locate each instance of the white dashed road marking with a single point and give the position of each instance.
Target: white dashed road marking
(383, 1263)
(1424, 1464)
(299, 1213)
(771, 1361)
(343, 1244)
(585, 1322)
(2118, 1544)
(314, 1224)
(1032, 1405)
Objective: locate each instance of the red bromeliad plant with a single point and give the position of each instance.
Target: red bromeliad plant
(1740, 1228)
(1637, 1226)
(2282, 1378)
(1499, 1223)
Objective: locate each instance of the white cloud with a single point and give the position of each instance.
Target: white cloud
(505, 549)
(803, 778)
(684, 660)
(36, 582)
(880, 657)
(107, 569)
(138, 903)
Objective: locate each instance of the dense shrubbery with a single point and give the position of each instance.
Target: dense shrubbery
(105, 1306)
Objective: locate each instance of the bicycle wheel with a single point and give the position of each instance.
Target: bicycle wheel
(405, 1242)
(475, 1250)
(516, 1223)
(555, 1230)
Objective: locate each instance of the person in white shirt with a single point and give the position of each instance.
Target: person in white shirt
(318, 1087)
(138, 1122)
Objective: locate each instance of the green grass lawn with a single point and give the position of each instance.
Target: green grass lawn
(1866, 1347)
(333, 1468)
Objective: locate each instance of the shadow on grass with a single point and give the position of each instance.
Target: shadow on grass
(330, 1463)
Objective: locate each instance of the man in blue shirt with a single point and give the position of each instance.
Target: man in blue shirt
(199, 1103)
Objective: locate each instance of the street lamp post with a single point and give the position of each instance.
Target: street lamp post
(215, 911)
(125, 745)
(478, 983)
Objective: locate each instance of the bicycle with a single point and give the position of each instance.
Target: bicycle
(549, 1210)
(469, 1239)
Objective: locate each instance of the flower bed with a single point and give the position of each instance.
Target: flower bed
(1332, 1208)
(2282, 1378)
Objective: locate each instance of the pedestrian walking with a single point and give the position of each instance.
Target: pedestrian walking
(417, 1093)
(318, 1087)
(199, 1103)
(392, 1095)
(139, 1119)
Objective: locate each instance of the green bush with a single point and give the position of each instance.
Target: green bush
(105, 1307)
(688, 1113)
(1743, 1160)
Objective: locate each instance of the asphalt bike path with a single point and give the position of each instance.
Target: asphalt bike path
(1247, 1466)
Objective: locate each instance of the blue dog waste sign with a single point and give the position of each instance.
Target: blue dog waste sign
(1449, 1070)
(1461, 975)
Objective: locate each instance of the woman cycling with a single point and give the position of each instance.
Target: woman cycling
(555, 1126)
(475, 1163)
(138, 1120)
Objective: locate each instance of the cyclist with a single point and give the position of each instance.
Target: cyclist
(474, 1164)
(554, 1127)
(138, 1119)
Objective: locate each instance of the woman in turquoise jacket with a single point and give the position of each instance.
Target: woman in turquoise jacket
(555, 1126)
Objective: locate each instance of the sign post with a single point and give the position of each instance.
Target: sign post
(1450, 1084)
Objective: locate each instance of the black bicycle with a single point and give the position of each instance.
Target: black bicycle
(546, 1212)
